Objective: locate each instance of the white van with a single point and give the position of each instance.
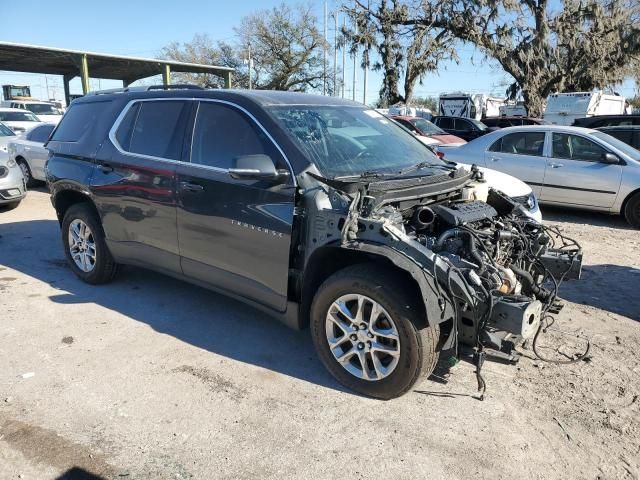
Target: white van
(564, 108)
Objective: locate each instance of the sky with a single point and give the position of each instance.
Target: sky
(142, 28)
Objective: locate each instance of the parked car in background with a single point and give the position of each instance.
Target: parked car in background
(29, 152)
(629, 134)
(503, 122)
(46, 111)
(18, 120)
(6, 134)
(465, 128)
(607, 121)
(12, 185)
(568, 166)
(427, 132)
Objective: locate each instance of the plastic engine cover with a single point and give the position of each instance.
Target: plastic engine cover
(464, 212)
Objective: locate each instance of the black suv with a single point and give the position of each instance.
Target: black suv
(320, 212)
(598, 121)
(466, 128)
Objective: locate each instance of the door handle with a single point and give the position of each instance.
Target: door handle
(191, 187)
(105, 168)
(556, 165)
(495, 159)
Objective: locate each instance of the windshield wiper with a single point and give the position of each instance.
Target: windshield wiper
(366, 174)
(421, 165)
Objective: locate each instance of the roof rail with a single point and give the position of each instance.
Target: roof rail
(146, 88)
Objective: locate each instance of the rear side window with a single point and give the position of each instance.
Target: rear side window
(40, 134)
(521, 143)
(155, 129)
(625, 135)
(78, 121)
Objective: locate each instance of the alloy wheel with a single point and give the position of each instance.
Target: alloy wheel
(82, 245)
(362, 337)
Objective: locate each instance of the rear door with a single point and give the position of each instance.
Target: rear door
(575, 174)
(234, 234)
(520, 154)
(134, 184)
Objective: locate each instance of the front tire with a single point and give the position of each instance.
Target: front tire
(85, 247)
(366, 330)
(632, 210)
(11, 205)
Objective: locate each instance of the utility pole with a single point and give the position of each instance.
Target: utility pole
(249, 54)
(46, 82)
(355, 62)
(344, 55)
(366, 67)
(324, 52)
(335, 54)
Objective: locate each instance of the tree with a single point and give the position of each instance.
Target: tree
(587, 44)
(406, 53)
(201, 49)
(286, 47)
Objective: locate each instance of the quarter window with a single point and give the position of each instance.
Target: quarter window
(445, 123)
(573, 147)
(520, 143)
(223, 133)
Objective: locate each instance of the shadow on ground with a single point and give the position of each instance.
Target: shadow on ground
(599, 219)
(189, 313)
(614, 288)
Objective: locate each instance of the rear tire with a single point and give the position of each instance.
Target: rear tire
(632, 210)
(411, 356)
(26, 173)
(85, 247)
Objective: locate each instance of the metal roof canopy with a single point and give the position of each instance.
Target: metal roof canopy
(72, 63)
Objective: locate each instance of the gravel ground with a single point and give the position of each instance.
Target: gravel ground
(149, 377)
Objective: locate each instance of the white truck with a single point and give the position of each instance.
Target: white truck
(469, 105)
(564, 108)
(513, 110)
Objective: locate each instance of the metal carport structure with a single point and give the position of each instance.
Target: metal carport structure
(76, 63)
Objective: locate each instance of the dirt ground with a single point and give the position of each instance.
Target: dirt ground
(149, 377)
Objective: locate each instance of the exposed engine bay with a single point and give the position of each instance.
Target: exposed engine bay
(484, 267)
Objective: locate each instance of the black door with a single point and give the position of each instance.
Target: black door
(234, 234)
(134, 183)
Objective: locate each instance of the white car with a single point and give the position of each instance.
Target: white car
(29, 152)
(6, 135)
(565, 166)
(18, 120)
(45, 111)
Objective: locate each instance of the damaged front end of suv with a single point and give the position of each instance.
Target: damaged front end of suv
(487, 273)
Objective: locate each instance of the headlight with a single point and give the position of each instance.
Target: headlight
(531, 201)
(11, 163)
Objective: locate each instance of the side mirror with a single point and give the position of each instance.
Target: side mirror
(610, 158)
(256, 167)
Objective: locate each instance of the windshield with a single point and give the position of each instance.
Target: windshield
(6, 131)
(426, 127)
(347, 141)
(479, 124)
(619, 144)
(43, 109)
(18, 117)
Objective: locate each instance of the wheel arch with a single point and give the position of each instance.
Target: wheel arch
(64, 198)
(626, 200)
(327, 260)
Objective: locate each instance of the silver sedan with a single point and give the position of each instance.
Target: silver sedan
(567, 166)
(12, 185)
(29, 152)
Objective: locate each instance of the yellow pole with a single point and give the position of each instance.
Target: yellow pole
(166, 75)
(227, 79)
(84, 74)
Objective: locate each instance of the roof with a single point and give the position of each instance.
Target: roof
(259, 97)
(57, 61)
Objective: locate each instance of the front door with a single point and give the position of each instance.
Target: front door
(520, 154)
(234, 234)
(576, 174)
